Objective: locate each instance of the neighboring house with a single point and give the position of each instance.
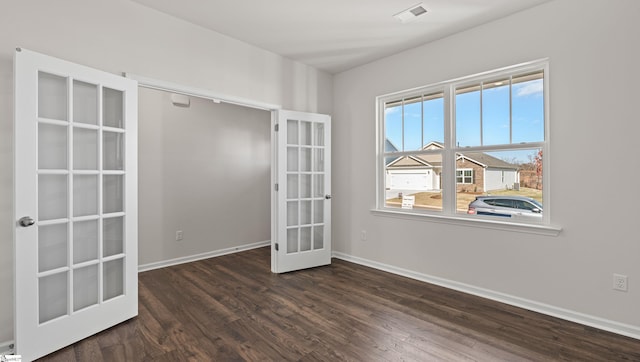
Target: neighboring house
(475, 172)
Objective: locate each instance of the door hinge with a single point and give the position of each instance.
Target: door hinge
(277, 247)
(276, 187)
(277, 127)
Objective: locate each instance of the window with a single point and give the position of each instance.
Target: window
(448, 143)
(464, 176)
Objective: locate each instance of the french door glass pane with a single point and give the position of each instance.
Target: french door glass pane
(305, 238)
(52, 197)
(85, 241)
(305, 186)
(85, 195)
(292, 213)
(292, 186)
(113, 195)
(113, 151)
(52, 247)
(85, 287)
(318, 237)
(52, 147)
(318, 140)
(113, 236)
(292, 158)
(85, 102)
(113, 275)
(305, 133)
(292, 132)
(292, 240)
(52, 96)
(305, 159)
(318, 185)
(305, 212)
(52, 296)
(85, 149)
(318, 160)
(112, 108)
(318, 211)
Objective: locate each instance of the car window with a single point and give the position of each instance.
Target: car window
(504, 203)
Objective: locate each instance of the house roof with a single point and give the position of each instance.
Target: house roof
(486, 160)
(422, 161)
(435, 160)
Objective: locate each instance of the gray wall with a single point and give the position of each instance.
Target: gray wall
(205, 170)
(594, 56)
(122, 36)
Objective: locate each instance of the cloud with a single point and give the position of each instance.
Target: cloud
(392, 110)
(532, 88)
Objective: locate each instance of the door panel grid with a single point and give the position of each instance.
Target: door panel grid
(75, 202)
(70, 167)
(305, 188)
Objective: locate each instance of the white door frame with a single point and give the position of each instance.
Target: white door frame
(217, 97)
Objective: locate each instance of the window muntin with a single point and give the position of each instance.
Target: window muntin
(464, 176)
(496, 124)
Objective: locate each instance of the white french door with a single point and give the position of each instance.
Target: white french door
(302, 216)
(75, 202)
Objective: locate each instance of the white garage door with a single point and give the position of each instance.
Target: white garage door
(409, 181)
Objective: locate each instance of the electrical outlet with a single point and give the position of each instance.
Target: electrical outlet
(179, 235)
(363, 235)
(620, 282)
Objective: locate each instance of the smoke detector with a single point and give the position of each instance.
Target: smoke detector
(411, 13)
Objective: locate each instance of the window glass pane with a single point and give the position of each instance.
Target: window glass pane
(527, 94)
(508, 176)
(413, 124)
(393, 127)
(433, 118)
(496, 110)
(415, 175)
(468, 116)
(496, 126)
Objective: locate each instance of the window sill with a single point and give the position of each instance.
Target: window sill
(539, 229)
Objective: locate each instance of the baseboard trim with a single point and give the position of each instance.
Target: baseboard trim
(569, 315)
(5, 348)
(207, 255)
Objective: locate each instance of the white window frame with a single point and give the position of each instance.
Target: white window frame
(448, 213)
(464, 177)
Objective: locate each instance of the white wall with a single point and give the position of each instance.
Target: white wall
(594, 56)
(121, 36)
(204, 170)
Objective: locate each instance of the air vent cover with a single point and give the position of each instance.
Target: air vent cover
(411, 13)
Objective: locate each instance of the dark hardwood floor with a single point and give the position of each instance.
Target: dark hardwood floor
(231, 308)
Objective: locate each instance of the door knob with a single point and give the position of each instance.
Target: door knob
(328, 197)
(26, 221)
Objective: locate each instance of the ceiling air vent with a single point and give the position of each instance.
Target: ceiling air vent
(411, 13)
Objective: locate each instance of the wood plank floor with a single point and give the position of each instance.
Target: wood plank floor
(231, 308)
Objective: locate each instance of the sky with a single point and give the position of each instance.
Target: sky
(527, 114)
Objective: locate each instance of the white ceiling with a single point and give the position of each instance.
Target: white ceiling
(336, 35)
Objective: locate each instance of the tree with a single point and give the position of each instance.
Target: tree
(538, 163)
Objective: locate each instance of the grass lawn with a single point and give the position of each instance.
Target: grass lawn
(433, 200)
